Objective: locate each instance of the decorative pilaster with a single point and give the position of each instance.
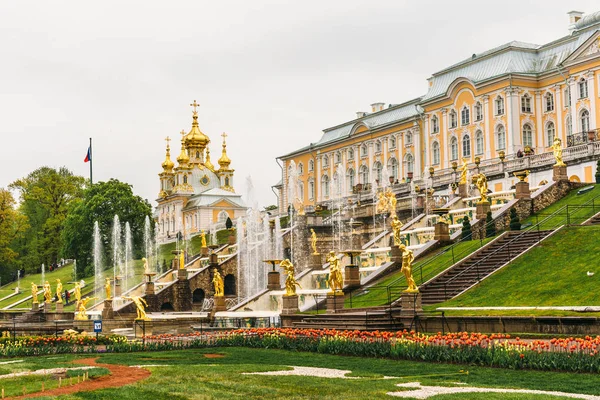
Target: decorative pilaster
(487, 116)
(539, 128)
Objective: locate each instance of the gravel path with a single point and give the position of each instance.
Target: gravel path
(309, 371)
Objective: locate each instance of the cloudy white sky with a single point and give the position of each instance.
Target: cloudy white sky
(272, 74)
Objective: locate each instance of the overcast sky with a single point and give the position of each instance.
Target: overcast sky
(272, 74)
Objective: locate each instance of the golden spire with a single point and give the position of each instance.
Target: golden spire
(195, 138)
(183, 158)
(207, 163)
(168, 164)
(224, 161)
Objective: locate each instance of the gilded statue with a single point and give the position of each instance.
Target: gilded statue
(146, 268)
(407, 260)
(34, 293)
(47, 292)
(313, 241)
(557, 149)
(140, 305)
(59, 290)
(181, 260)
(217, 282)
(107, 288)
(77, 292)
(391, 201)
(290, 281)
(203, 238)
(463, 172)
(81, 309)
(336, 280)
(299, 206)
(396, 228)
(382, 203)
(481, 182)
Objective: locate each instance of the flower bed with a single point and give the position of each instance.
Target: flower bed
(43, 345)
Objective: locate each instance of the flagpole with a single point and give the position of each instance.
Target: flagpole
(91, 161)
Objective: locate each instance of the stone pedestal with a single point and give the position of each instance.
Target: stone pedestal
(219, 304)
(149, 288)
(560, 173)
(118, 289)
(410, 304)
(35, 307)
(522, 190)
(335, 302)
(47, 307)
(463, 190)
(182, 274)
(214, 259)
(315, 261)
(441, 232)
(59, 307)
(351, 276)
(290, 305)
(273, 282)
(204, 251)
(107, 311)
(482, 209)
(396, 255)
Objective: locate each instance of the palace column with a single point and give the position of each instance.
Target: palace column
(418, 167)
(592, 96)
(573, 106)
(513, 139)
(444, 141)
(559, 114)
(426, 134)
(370, 150)
(486, 127)
(539, 129)
(318, 196)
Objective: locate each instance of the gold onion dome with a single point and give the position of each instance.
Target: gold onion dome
(207, 163)
(224, 161)
(168, 164)
(183, 158)
(195, 138)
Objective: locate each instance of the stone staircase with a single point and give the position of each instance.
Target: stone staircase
(376, 318)
(462, 276)
(595, 220)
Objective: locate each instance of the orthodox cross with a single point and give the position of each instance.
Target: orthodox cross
(194, 104)
(224, 136)
(168, 140)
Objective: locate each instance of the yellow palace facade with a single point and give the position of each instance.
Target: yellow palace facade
(491, 108)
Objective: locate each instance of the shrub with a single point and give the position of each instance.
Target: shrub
(228, 223)
(515, 224)
(490, 227)
(466, 229)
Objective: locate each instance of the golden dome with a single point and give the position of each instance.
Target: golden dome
(207, 163)
(168, 164)
(183, 159)
(224, 161)
(195, 138)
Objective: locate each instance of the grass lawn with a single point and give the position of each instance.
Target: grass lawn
(430, 266)
(552, 274)
(190, 375)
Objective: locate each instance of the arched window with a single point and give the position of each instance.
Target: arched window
(350, 153)
(465, 116)
(527, 135)
(435, 148)
(499, 105)
(567, 96)
(311, 166)
(350, 176)
(466, 146)
(526, 103)
(408, 138)
(393, 168)
(584, 120)
(338, 157)
(301, 190)
(478, 111)
(325, 161)
(364, 174)
(300, 169)
(549, 101)
(452, 119)
(222, 217)
(363, 150)
(197, 154)
(393, 142)
(311, 189)
(583, 88)
(569, 124)
(325, 185)
(377, 169)
(500, 138)
(478, 142)
(550, 133)
(410, 163)
(453, 149)
(377, 146)
(435, 124)
(185, 179)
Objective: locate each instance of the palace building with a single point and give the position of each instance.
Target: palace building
(195, 195)
(497, 107)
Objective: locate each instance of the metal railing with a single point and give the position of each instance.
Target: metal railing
(575, 139)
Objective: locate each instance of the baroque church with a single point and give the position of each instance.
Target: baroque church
(195, 195)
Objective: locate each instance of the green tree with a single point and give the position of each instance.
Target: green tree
(12, 225)
(466, 229)
(490, 226)
(101, 203)
(45, 196)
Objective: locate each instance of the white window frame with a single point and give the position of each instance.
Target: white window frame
(465, 116)
(435, 150)
(549, 102)
(550, 128)
(527, 135)
(526, 104)
(499, 105)
(478, 111)
(453, 148)
(479, 145)
(466, 145)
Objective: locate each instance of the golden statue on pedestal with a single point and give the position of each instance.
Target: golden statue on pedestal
(407, 260)
(218, 283)
(47, 292)
(290, 281)
(481, 182)
(107, 288)
(396, 228)
(203, 238)
(81, 309)
(59, 288)
(77, 292)
(181, 260)
(336, 280)
(392, 201)
(463, 172)
(313, 241)
(557, 149)
(34, 293)
(140, 305)
(382, 203)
